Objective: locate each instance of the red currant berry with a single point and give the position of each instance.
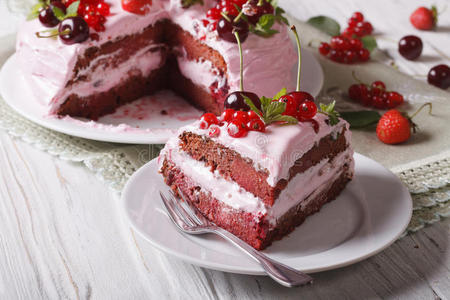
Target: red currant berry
(237, 129)
(324, 48)
(337, 55)
(364, 54)
(378, 84)
(357, 16)
(256, 125)
(377, 102)
(227, 115)
(308, 110)
(439, 76)
(350, 56)
(103, 9)
(356, 44)
(365, 97)
(354, 91)
(213, 14)
(253, 116)
(214, 131)
(241, 116)
(207, 120)
(340, 43)
(367, 28)
(292, 105)
(348, 32)
(394, 99)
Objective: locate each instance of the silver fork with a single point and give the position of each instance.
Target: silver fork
(189, 220)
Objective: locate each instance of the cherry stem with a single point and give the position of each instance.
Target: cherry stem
(224, 15)
(52, 32)
(299, 68)
(241, 61)
(260, 3)
(430, 107)
(356, 78)
(238, 17)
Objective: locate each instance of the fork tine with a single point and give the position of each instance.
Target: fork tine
(194, 211)
(181, 209)
(173, 214)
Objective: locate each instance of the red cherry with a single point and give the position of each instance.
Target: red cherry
(237, 129)
(207, 120)
(375, 91)
(307, 110)
(365, 97)
(256, 125)
(301, 96)
(214, 131)
(227, 115)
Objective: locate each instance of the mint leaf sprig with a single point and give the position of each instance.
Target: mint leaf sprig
(71, 11)
(265, 23)
(328, 109)
(271, 111)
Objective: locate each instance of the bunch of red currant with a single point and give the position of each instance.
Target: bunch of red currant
(375, 95)
(299, 105)
(347, 48)
(357, 26)
(238, 123)
(94, 12)
(344, 50)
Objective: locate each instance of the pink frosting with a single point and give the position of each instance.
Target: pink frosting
(300, 189)
(279, 147)
(48, 64)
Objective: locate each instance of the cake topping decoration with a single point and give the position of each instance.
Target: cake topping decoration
(255, 16)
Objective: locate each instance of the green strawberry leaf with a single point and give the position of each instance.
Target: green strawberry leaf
(325, 24)
(369, 42)
(362, 118)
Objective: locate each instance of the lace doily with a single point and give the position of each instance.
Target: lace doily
(114, 164)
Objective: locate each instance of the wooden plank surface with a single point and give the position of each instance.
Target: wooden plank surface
(62, 234)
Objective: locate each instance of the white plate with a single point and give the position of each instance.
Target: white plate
(139, 122)
(369, 215)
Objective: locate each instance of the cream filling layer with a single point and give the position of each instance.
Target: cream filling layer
(107, 75)
(299, 188)
(201, 72)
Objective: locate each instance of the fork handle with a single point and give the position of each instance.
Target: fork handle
(279, 272)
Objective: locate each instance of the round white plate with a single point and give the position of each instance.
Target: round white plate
(369, 215)
(140, 122)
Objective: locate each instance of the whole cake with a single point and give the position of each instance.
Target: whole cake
(112, 52)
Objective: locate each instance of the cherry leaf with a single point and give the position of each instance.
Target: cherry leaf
(325, 24)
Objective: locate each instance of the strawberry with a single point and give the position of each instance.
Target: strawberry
(139, 7)
(394, 127)
(424, 18)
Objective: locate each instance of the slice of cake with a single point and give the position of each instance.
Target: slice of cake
(142, 46)
(260, 186)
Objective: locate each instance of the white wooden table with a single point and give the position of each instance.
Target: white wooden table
(62, 234)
